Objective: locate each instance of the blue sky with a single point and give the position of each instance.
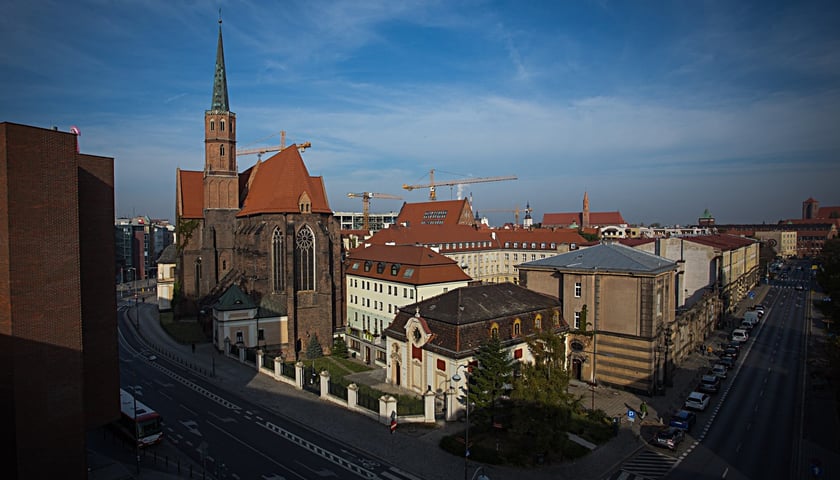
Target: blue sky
(656, 109)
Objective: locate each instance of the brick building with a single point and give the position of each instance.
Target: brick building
(58, 328)
(269, 230)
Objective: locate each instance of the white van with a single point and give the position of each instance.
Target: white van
(740, 335)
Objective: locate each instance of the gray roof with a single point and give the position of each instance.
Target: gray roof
(234, 299)
(168, 255)
(607, 257)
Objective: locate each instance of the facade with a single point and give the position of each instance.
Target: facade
(58, 324)
(356, 220)
(620, 306)
(782, 243)
(139, 242)
(237, 320)
(269, 230)
(379, 280)
(165, 284)
(429, 340)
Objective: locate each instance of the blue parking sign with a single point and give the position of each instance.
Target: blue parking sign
(631, 415)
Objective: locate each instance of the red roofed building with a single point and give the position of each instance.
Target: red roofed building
(612, 224)
(382, 278)
(269, 230)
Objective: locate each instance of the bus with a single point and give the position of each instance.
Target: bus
(139, 422)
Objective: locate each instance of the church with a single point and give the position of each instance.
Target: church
(267, 231)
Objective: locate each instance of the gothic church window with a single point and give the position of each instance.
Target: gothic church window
(222, 125)
(222, 150)
(212, 125)
(305, 259)
(277, 260)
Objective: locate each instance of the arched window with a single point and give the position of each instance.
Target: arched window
(212, 125)
(305, 258)
(494, 330)
(538, 322)
(198, 276)
(222, 150)
(277, 260)
(222, 125)
(517, 327)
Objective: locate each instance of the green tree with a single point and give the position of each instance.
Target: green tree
(313, 349)
(489, 380)
(339, 348)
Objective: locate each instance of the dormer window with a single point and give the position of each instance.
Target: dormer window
(395, 269)
(368, 264)
(380, 267)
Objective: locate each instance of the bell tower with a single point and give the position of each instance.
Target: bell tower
(221, 183)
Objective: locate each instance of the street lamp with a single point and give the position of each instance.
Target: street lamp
(457, 378)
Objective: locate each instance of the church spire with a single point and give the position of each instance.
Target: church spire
(220, 93)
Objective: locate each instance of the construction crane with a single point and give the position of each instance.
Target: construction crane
(366, 196)
(259, 151)
(515, 211)
(431, 185)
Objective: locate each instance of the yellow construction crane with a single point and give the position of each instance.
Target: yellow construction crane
(259, 151)
(432, 184)
(366, 196)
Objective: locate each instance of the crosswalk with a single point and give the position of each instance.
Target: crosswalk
(648, 464)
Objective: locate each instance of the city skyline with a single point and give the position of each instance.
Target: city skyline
(657, 110)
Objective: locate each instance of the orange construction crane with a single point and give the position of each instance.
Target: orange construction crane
(432, 184)
(366, 196)
(259, 151)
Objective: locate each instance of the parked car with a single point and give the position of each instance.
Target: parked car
(669, 437)
(709, 384)
(719, 370)
(800, 287)
(746, 325)
(697, 401)
(732, 351)
(736, 345)
(728, 362)
(683, 419)
(740, 335)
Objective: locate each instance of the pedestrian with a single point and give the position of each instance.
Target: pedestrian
(709, 350)
(643, 409)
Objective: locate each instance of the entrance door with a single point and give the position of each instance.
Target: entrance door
(577, 366)
(367, 355)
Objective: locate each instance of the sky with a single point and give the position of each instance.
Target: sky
(658, 110)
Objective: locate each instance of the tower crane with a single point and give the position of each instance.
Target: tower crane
(515, 211)
(431, 185)
(259, 151)
(366, 196)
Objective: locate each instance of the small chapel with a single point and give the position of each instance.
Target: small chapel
(267, 232)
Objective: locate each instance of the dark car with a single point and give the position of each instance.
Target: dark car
(727, 361)
(732, 352)
(669, 437)
(683, 419)
(709, 384)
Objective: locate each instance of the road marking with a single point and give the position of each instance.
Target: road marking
(725, 472)
(225, 432)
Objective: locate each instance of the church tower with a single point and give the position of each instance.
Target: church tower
(584, 220)
(221, 181)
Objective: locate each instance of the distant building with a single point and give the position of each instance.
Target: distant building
(706, 220)
(166, 264)
(356, 220)
(781, 242)
(611, 224)
(58, 321)
(379, 280)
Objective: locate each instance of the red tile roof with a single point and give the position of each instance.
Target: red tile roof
(447, 212)
(422, 265)
(278, 184)
(825, 212)
(595, 218)
(723, 242)
(191, 194)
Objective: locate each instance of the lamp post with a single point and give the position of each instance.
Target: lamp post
(457, 378)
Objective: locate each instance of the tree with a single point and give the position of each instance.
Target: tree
(340, 348)
(313, 349)
(490, 379)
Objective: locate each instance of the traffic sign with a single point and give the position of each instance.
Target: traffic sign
(631, 415)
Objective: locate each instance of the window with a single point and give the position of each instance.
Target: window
(212, 125)
(577, 320)
(380, 267)
(395, 269)
(494, 330)
(239, 336)
(305, 256)
(277, 260)
(368, 264)
(408, 272)
(222, 150)
(517, 327)
(538, 322)
(260, 334)
(222, 125)
(577, 289)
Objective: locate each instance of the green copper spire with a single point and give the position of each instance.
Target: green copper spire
(220, 94)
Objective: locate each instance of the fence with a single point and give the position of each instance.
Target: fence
(338, 390)
(287, 370)
(367, 401)
(311, 380)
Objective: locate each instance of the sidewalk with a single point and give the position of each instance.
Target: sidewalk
(415, 448)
